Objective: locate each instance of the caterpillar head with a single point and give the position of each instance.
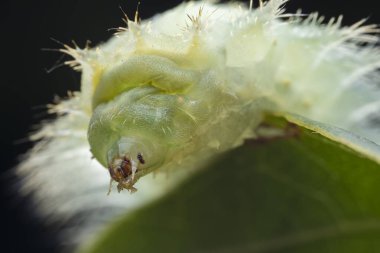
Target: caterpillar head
(132, 134)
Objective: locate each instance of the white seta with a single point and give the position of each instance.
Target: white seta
(190, 83)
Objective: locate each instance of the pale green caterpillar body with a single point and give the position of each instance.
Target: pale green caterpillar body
(173, 91)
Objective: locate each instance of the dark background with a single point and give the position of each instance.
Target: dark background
(27, 27)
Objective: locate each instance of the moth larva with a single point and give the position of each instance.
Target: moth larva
(194, 81)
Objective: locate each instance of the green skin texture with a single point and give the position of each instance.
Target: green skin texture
(150, 105)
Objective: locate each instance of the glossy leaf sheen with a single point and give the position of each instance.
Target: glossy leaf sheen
(298, 194)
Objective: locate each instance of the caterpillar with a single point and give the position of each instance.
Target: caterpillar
(171, 92)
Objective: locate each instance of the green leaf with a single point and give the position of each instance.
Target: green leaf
(299, 193)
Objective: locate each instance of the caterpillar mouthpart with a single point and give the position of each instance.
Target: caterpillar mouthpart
(131, 158)
(123, 171)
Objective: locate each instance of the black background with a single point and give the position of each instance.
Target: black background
(27, 27)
